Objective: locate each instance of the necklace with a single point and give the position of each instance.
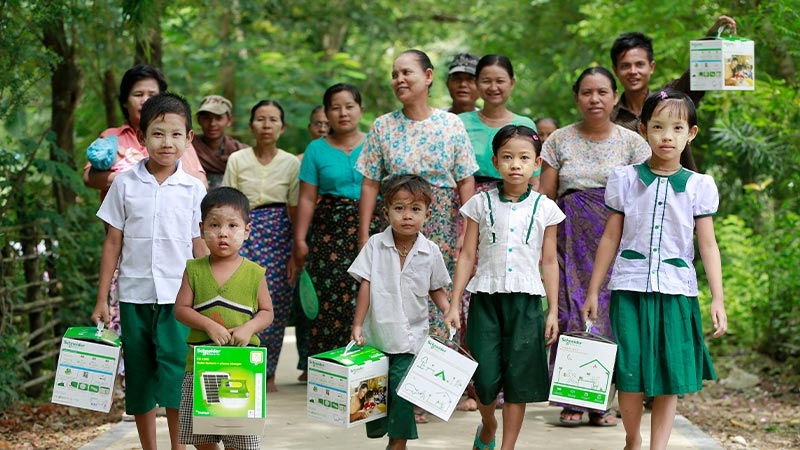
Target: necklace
(405, 248)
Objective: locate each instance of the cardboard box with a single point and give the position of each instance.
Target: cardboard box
(230, 390)
(722, 64)
(437, 377)
(582, 370)
(339, 378)
(87, 368)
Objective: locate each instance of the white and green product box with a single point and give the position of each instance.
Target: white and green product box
(722, 64)
(437, 377)
(582, 370)
(230, 390)
(344, 380)
(87, 368)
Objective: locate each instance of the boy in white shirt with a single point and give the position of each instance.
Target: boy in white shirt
(153, 217)
(398, 270)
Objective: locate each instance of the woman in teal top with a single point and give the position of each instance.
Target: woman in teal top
(330, 188)
(494, 76)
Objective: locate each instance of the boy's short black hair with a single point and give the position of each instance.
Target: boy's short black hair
(628, 41)
(166, 103)
(414, 184)
(225, 196)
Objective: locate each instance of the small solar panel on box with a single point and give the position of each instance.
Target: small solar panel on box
(211, 383)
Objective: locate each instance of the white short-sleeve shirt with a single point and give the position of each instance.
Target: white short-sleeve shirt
(656, 250)
(397, 319)
(510, 237)
(158, 223)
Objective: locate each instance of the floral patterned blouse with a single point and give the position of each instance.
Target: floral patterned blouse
(583, 164)
(438, 149)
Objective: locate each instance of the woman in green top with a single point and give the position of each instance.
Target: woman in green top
(495, 79)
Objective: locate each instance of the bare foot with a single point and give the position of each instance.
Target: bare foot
(468, 404)
(271, 387)
(633, 443)
(303, 377)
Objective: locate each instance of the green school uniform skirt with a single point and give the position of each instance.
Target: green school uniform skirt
(660, 343)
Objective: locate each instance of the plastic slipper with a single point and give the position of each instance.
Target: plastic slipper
(478, 444)
(606, 419)
(566, 413)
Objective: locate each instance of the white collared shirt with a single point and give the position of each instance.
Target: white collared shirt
(158, 223)
(510, 237)
(656, 250)
(397, 319)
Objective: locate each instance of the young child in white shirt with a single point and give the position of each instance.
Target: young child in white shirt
(509, 229)
(398, 270)
(656, 208)
(153, 217)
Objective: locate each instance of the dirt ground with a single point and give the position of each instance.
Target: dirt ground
(765, 416)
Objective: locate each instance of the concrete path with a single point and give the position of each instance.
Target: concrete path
(289, 429)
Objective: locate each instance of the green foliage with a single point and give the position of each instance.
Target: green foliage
(745, 288)
(779, 314)
(14, 369)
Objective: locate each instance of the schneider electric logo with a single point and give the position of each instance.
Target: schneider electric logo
(75, 344)
(570, 341)
(209, 351)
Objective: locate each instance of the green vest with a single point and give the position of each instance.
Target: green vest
(230, 305)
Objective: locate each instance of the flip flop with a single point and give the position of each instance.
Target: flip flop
(478, 444)
(606, 419)
(565, 420)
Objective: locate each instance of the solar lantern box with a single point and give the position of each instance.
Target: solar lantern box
(348, 386)
(722, 64)
(87, 368)
(582, 370)
(230, 390)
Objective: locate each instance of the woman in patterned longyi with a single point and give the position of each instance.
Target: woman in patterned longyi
(577, 162)
(421, 140)
(267, 175)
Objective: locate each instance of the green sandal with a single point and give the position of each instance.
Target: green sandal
(478, 444)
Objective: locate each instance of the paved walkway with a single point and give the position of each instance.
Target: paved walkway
(289, 429)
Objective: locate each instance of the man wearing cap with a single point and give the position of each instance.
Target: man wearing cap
(461, 83)
(213, 146)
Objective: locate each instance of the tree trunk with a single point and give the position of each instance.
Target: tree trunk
(66, 85)
(148, 50)
(109, 94)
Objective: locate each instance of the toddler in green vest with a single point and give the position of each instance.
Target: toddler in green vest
(223, 299)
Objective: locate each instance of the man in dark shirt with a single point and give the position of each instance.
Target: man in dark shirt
(633, 63)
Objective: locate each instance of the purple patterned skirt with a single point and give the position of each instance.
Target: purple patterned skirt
(578, 237)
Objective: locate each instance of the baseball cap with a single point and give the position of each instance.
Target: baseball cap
(215, 104)
(463, 62)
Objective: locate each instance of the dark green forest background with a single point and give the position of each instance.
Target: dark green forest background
(61, 62)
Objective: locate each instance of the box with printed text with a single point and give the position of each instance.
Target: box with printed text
(722, 64)
(230, 390)
(582, 371)
(348, 387)
(87, 368)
